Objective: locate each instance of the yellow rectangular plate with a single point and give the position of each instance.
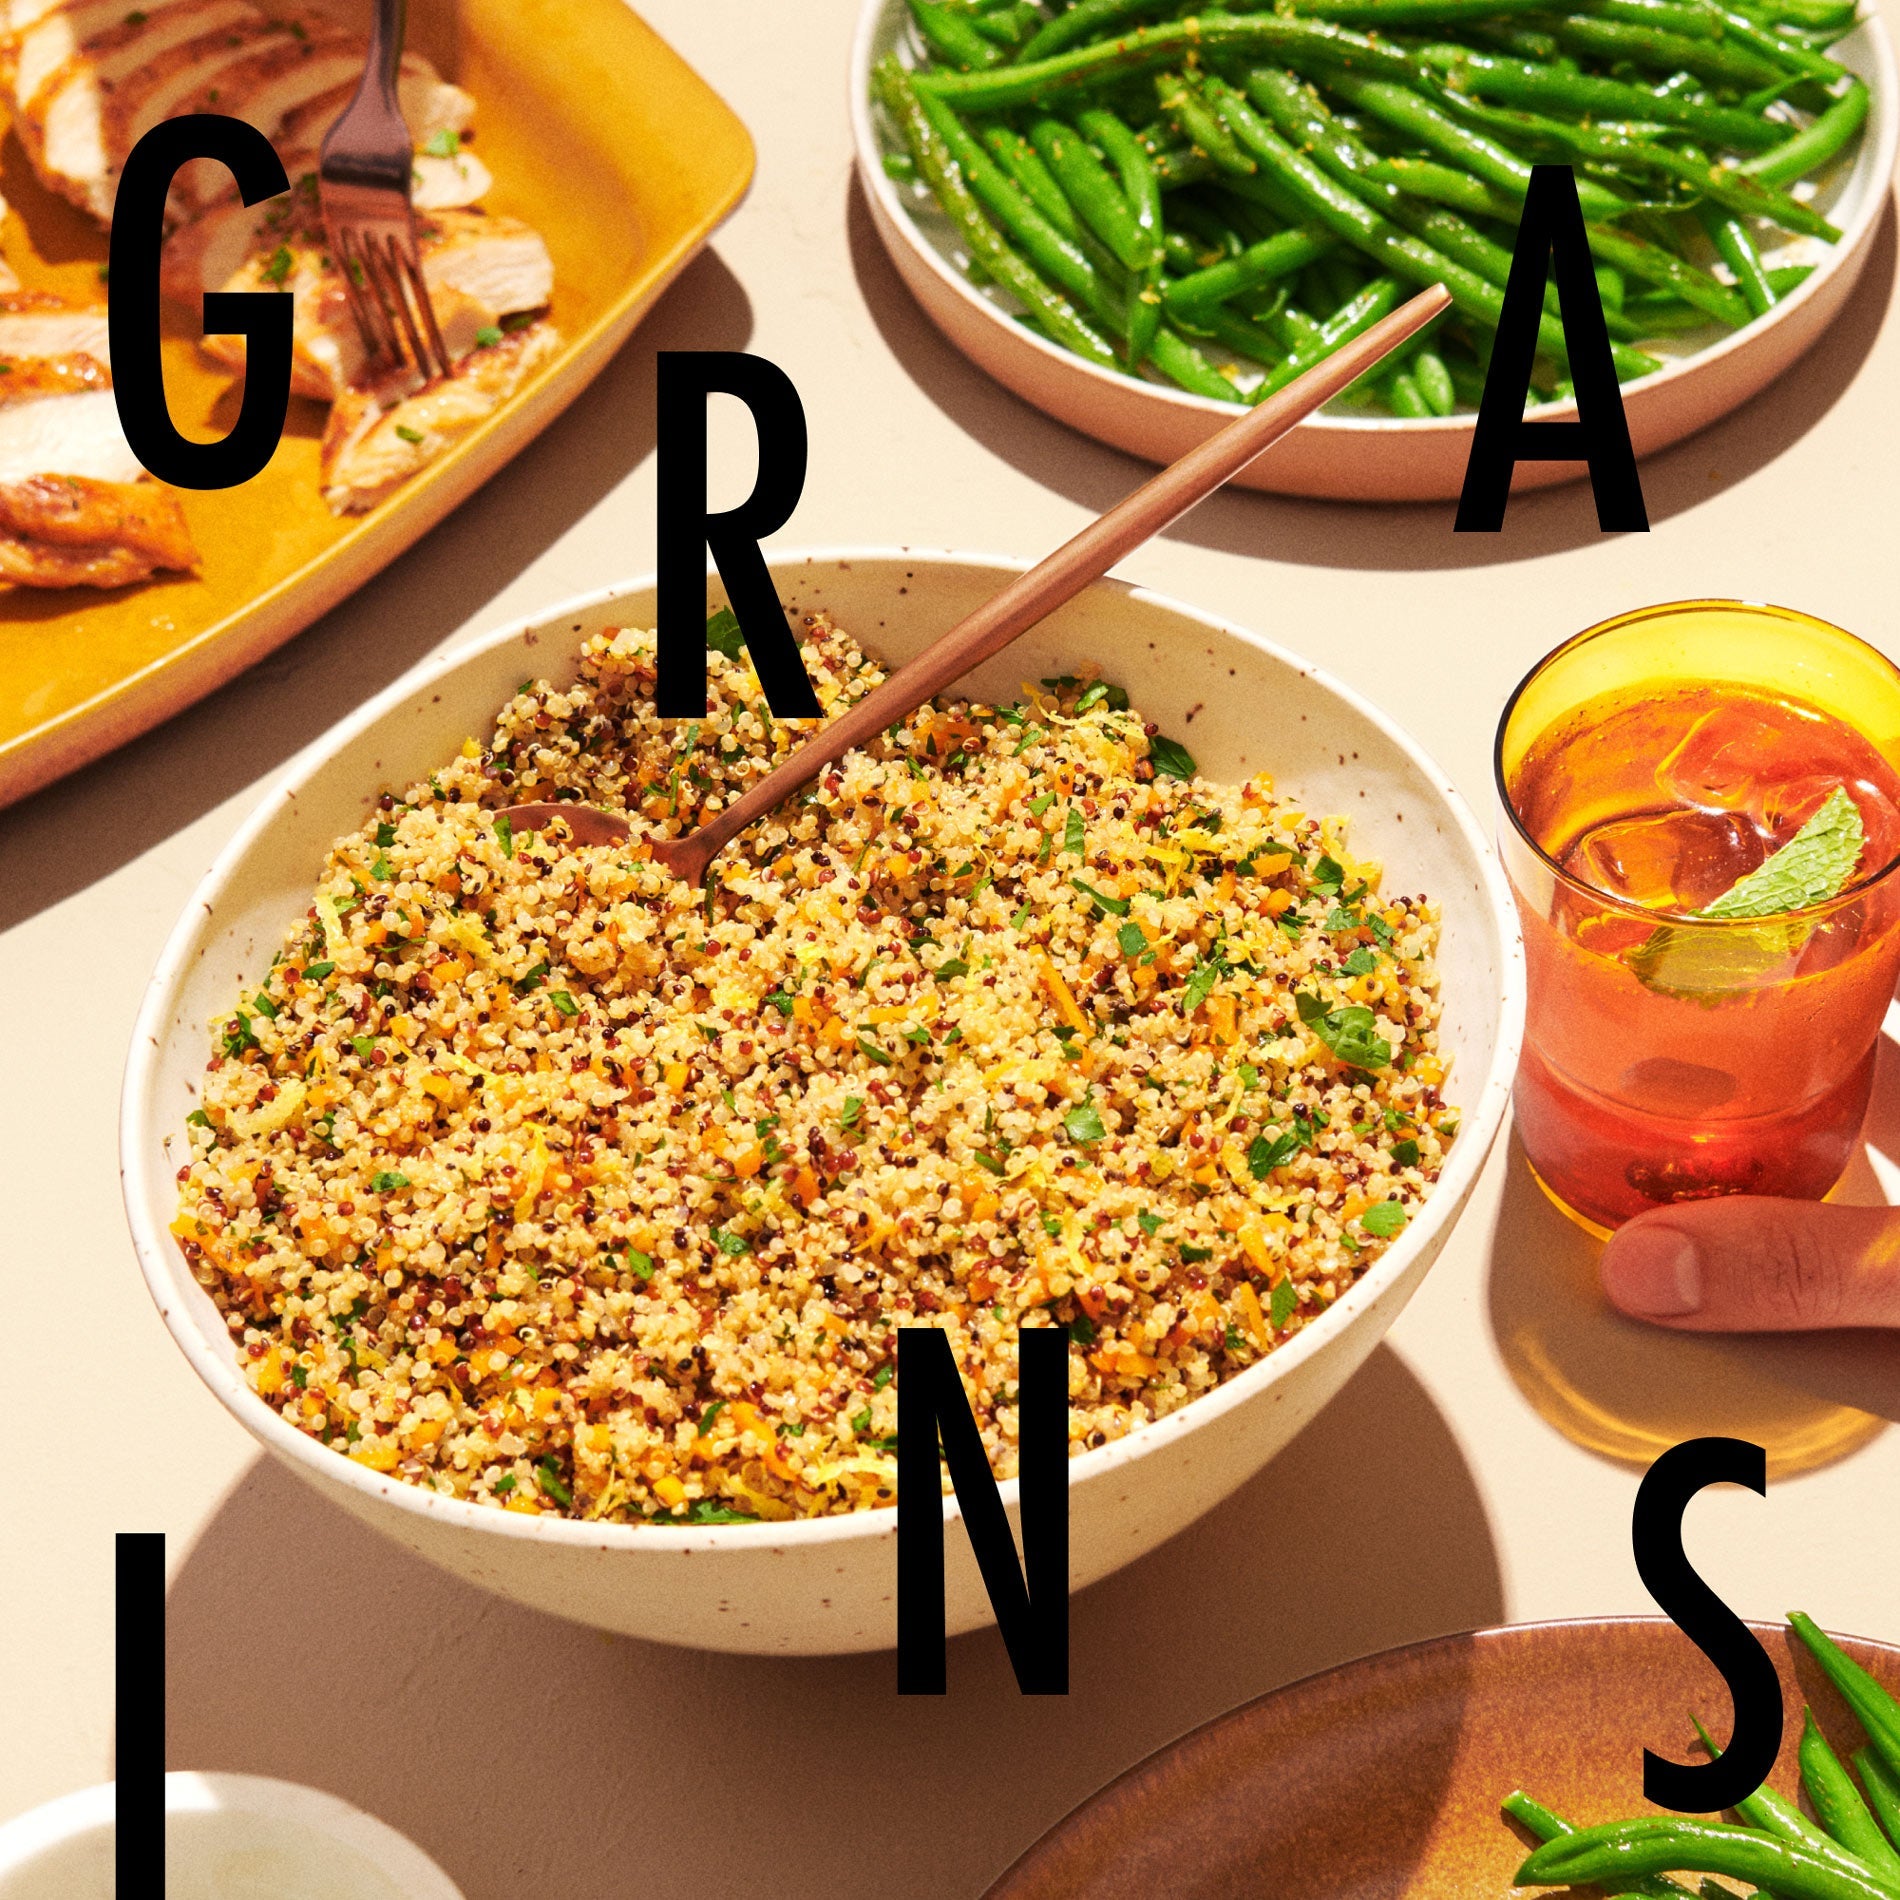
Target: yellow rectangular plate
(600, 136)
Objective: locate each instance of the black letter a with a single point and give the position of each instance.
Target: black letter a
(1552, 224)
(1033, 1619)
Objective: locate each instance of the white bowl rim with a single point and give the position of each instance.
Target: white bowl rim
(28, 1836)
(140, 1147)
(1883, 85)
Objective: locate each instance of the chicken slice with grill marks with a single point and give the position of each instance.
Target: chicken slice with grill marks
(480, 270)
(372, 445)
(89, 80)
(76, 509)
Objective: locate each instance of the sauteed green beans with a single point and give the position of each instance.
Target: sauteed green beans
(1853, 1854)
(1206, 198)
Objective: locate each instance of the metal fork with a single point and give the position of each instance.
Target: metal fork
(363, 177)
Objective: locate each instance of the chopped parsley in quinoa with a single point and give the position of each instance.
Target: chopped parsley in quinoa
(530, 1175)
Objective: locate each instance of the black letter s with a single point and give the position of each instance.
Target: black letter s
(1709, 1623)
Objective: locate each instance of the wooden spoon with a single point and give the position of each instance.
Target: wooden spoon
(1027, 599)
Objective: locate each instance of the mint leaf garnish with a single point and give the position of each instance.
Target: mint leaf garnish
(1814, 865)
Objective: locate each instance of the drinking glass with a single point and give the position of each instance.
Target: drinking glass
(1669, 1056)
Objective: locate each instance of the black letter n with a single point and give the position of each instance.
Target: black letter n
(1033, 1617)
(687, 378)
(1552, 226)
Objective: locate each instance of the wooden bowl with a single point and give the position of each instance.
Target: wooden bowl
(1383, 1777)
(1345, 457)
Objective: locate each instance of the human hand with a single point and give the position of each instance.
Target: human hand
(1747, 1264)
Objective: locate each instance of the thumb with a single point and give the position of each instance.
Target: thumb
(1747, 1264)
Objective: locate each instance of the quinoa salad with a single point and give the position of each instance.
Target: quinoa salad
(532, 1176)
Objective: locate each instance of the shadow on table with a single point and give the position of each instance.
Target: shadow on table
(529, 1754)
(64, 838)
(1363, 535)
(1629, 1391)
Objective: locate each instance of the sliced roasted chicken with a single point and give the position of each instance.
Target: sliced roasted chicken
(88, 80)
(7, 279)
(73, 531)
(76, 509)
(38, 324)
(371, 446)
(481, 272)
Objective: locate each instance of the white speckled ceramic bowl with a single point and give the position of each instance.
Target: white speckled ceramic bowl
(828, 1584)
(227, 1837)
(1335, 455)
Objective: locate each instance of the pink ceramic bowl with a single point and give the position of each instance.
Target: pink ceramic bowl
(1346, 457)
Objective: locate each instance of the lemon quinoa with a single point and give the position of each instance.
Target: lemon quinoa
(532, 1176)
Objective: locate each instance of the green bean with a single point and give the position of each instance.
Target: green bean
(1615, 40)
(1262, 263)
(1233, 331)
(1467, 378)
(1184, 257)
(1008, 26)
(1260, 207)
(1776, 46)
(1209, 37)
(946, 176)
(950, 36)
(1051, 251)
(1350, 217)
(1179, 361)
(1658, 314)
(1878, 1712)
(1688, 17)
(1883, 1790)
(1024, 164)
(1418, 117)
(1085, 20)
(1548, 1826)
(1063, 259)
(1403, 395)
(1379, 299)
(1407, 13)
(1838, 1804)
(1141, 187)
(1605, 1856)
(1403, 353)
(1770, 1812)
(1737, 250)
(1090, 190)
(1303, 120)
(1294, 327)
(1814, 144)
(1215, 233)
(1636, 257)
(1525, 83)
(1730, 185)
(1525, 42)
(1434, 382)
(1201, 126)
(1816, 15)
(1443, 185)
(977, 176)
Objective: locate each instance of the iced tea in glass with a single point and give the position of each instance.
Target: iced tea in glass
(1645, 768)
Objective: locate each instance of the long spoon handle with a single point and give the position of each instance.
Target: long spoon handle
(1037, 594)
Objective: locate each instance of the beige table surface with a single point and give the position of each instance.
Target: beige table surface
(537, 1758)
